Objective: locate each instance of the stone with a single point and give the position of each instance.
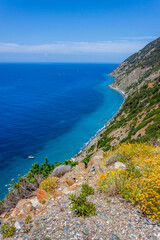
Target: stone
(35, 202)
(61, 170)
(92, 162)
(119, 165)
(70, 181)
(41, 195)
(92, 168)
(22, 209)
(19, 225)
(114, 237)
(57, 193)
(80, 166)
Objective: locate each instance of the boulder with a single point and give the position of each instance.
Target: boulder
(119, 165)
(41, 195)
(60, 170)
(19, 225)
(35, 202)
(22, 209)
(92, 168)
(70, 181)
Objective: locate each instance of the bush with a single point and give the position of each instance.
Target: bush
(139, 183)
(7, 230)
(28, 219)
(86, 189)
(49, 184)
(71, 163)
(21, 189)
(45, 169)
(86, 160)
(60, 170)
(81, 206)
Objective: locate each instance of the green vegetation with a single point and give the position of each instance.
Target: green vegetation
(7, 230)
(28, 184)
(28, 219)
(70, 162)
(141, 102)
(79, 203)
(87, 190)
(91, 149)
(139, 182)
(87, 159)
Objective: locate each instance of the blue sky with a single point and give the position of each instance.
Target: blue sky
(76, 31)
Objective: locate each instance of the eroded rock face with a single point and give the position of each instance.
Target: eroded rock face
(22, 209)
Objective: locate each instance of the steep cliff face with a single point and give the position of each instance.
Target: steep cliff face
(136, 70)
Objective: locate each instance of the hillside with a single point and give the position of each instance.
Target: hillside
(140, 68)
(139, 117)
(111, 190)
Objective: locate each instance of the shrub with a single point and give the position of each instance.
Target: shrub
(49, 184)
(71, 163)
(91, 149)
(86, 189)
(139, 183)
(87, 159)
(21, 189)
(7, 230)
(60, 170)
(28, 219)
(81, 206)
(45, 169)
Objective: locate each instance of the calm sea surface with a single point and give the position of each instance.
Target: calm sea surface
(50, 110)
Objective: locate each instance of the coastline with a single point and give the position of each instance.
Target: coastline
(94, 138)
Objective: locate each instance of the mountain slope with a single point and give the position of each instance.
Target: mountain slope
(138, 78)
(139, 68)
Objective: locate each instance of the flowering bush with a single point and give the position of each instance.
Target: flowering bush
(139, 183)
(49, 184)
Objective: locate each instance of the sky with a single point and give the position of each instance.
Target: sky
(76, 30)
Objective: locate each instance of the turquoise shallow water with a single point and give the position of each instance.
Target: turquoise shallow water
(50, 110)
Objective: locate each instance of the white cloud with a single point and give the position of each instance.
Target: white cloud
(142, 38)
(122, 46)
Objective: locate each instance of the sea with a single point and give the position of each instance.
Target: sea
(50, 110)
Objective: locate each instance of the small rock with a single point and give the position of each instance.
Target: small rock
(86, 232)
(35, 202)
(19, 225)
(119, 165)
(92, 168)
(70, 181)
(114, 237)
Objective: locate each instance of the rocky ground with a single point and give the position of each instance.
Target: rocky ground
(113, 221)
(115, 218)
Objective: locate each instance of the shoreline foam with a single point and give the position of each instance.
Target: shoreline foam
(94, 138)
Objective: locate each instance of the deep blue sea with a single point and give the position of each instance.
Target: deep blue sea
(50, 110)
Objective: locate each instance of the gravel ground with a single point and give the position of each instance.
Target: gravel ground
(114, 220)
